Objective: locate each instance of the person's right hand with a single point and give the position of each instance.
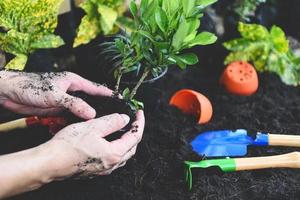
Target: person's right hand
(81, 149)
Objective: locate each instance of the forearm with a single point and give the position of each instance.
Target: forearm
(3, 82)
(25, 171)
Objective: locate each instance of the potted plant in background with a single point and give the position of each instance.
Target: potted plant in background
(268, 50)
(27, 26)
(101, 17)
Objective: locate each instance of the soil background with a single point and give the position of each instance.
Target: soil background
(156, 171)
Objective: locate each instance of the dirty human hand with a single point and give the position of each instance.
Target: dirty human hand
(46, 93)
(82, 150)
(79, 150)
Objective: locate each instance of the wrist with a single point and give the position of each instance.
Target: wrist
(25, 171)
(60, 161)
(3, 81)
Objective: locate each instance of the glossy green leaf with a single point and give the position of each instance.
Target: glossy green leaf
(204, 38)
(144, 6)
(189, 58)
(133, 9)
(188, 6)
(180, 34)
(205, 3)
(170, 6)
(279, 39)
(149, 12)
(161, 20)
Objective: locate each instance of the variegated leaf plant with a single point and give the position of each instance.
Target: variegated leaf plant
(268, 50)
(101, 17)
(27, 25)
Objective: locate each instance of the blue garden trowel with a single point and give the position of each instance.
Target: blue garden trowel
(234, 143)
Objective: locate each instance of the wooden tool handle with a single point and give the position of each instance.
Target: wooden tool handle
(290, 160)
(16, 124)
(284, 140)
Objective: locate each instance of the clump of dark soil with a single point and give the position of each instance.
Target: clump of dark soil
(104, 106)
(107, 105)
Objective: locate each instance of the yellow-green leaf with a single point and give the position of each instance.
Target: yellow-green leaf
(18, 63)
(47, 42)
(88, 30)
(108, 18)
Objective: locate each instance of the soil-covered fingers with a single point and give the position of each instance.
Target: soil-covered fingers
(132, 137)
(76, 105)
(30, 110)
(81, 84)
(108, 124)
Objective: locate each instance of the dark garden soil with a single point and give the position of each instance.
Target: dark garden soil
(156, 172)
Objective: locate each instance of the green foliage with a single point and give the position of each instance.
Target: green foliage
(133, 103)
(27, 25)
(267, 50)
(101, 17)
(246, 8)
(163, 29)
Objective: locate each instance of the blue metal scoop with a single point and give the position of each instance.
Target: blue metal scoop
(227, 143)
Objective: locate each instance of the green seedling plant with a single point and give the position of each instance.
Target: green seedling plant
(102, 16)
(246, 8)
(268, 50)
(163, 30)
(26, 26)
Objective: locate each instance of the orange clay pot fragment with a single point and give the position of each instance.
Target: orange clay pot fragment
(240, 78)
(192, 102)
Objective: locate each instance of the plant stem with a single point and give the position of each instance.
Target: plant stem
(117, 87)
(139, 83)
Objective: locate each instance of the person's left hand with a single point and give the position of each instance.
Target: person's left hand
(46, 93)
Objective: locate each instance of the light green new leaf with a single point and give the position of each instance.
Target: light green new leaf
(253, 31)
(188, 6)
(150, 10)
(108, 18)
(204, 38)
(126, 24)
(180, 34)
(133, 9)
(238, 44)
(88, 30)
(161, 20)
(170, 6)
(188, 58)
(144, 6)
(205, 3)
(18, 63)
(47, 42)
(176, 60)
(237, 56)
(279, 39)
